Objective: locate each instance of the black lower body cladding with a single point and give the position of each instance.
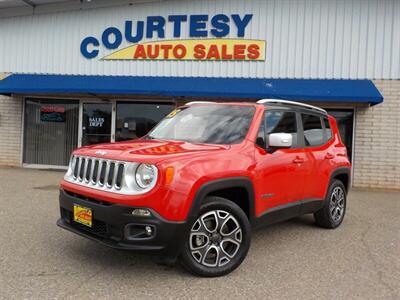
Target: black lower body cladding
(115, 226)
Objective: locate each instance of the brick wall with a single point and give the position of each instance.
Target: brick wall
(377, 140)
(10, 130)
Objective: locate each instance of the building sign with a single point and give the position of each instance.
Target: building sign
(50, 113)
(96, 122)
(210, 49)
(208, 39)
(4, 75)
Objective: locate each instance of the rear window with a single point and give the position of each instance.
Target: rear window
(313, 131)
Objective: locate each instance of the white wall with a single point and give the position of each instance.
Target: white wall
(305, 39)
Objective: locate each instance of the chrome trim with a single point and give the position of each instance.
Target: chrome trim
(127, 181)
(87, 160)
(108, 166)
(278, 101)
(101, 163)
(118, 187)
(199, 102)
(78, 174)
(91, 170)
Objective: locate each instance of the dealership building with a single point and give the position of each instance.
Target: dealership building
(75, 73)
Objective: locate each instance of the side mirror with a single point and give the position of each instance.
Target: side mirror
(280, 140)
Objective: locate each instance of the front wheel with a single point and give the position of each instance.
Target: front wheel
(332, 213)
(219, 239)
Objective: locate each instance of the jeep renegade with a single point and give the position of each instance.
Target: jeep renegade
(196, 185)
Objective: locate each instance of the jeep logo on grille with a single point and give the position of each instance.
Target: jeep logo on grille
(101, 152)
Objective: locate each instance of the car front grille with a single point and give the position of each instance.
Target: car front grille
(98, 228)
(106, 174)
(98, 172)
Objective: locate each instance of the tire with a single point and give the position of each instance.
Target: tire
(331, 215)
(219, 239)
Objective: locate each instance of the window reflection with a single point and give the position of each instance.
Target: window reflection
(282, 122)
(135, 120)
(313, 132)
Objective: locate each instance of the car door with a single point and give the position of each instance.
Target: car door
(279, 172)
(318, 150)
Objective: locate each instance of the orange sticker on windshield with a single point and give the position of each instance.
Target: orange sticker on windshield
(173, 113)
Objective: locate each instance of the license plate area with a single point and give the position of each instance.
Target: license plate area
(83, 215)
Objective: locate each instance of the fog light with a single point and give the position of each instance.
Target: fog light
(141, 212)
(136, 232)
(149, 230)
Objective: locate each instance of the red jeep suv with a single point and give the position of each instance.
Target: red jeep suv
(204, 177)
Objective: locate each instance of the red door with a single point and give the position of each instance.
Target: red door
(280, 178)
(280, 173)
(319, 152)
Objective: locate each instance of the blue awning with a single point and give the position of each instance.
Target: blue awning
(314, 90)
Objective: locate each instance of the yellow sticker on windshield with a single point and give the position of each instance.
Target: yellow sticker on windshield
(173, 113)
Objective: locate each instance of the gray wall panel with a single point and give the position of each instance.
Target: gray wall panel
(305, 39)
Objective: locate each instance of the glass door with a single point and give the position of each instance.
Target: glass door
(96, 123)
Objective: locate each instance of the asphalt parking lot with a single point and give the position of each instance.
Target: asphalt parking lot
(291, 260)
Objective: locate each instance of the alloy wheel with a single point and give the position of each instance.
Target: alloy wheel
(215, 238)
(336, 204)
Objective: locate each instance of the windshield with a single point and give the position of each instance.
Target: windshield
(209, 124)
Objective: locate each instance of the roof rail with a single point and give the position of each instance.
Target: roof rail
(199, 102)
(278, 101)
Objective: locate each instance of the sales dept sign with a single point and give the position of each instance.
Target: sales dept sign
(208, 39)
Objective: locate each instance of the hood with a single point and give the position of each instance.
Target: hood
(150, 151)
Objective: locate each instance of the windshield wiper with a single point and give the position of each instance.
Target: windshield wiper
(149, 137)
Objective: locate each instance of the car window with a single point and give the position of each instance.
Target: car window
(210, 124)
(328, 130)
(282, 122)
(313, 132)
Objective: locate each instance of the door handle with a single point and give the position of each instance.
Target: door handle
(329, 156)
(298, 160)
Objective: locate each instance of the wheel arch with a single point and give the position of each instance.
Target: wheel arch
(342, 174)
(232, 188)
(215, 187)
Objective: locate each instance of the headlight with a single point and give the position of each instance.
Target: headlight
(146, 175)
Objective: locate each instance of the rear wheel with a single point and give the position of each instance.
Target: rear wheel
(219, 239)
(332, 213)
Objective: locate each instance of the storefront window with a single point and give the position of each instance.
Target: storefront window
(344, 119)
(50, 131)
(135, 120)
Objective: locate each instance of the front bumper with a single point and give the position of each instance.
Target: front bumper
(114, 226)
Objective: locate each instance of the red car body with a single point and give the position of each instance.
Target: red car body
(269, 180)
